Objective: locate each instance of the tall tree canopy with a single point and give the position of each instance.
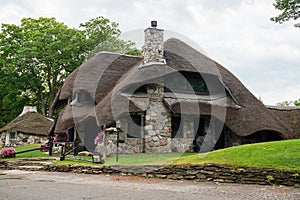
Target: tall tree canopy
(290, 10)
(38, 54)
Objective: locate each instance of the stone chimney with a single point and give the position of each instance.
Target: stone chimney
(153, 50)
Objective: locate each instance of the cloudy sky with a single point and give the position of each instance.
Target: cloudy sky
(236, 33)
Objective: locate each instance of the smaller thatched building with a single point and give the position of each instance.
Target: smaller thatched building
(29, 127)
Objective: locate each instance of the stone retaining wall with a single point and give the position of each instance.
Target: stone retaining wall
(206, 172)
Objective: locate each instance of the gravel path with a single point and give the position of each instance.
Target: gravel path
(15, 184)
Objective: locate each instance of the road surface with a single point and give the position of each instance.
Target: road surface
(25, 185)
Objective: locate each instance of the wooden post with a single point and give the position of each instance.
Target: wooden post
(104, 142)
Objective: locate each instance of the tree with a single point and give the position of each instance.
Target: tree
(290, 10)
(103, 35)
(37, 55)
(41, 51)
(289, 103)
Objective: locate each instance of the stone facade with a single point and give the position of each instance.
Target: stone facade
(22, 139)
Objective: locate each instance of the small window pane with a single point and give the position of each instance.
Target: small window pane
(12, 135)
(198, 85)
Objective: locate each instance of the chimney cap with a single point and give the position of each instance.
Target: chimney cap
(154, 24)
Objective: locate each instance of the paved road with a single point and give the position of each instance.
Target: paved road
(23, 185)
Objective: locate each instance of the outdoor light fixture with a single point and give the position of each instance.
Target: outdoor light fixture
(118, 126)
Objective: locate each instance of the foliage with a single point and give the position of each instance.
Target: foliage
(102, 35)
(290, 10)
(7, 152)
(285, 103)
(297, 102)
(270, 178)
(37, 55)
(289, 103)
(282, 155)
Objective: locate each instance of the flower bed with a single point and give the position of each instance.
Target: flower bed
(8, 152)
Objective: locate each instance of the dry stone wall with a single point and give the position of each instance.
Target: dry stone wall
(206, 172)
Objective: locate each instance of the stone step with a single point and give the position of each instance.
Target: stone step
(38, 159)
(30, 168)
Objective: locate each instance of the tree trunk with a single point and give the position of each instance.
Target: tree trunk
(42, 101)
(51, 102)
(52, 92)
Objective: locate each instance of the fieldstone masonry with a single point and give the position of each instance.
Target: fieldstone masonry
(23, 139)
(206, 172)
(153, 50)
(158, 121)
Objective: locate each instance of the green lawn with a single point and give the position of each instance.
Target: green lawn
(132, 159)
(283, 155)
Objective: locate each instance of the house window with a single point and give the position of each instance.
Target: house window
(12, 136)
(185, 82)
(141, 90)
(197, 85)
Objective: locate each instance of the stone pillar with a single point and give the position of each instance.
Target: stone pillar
(153, 49)
(158, 121)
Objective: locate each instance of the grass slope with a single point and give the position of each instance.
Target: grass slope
(283, 155)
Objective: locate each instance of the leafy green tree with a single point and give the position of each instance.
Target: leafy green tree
(289, 103)
(103, 35)
(297, 102)
(290, 10)
(284, 103)
(41, 51)
(37, 55)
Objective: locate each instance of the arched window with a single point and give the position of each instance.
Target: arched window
(185, 82)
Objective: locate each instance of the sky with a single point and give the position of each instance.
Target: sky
(238, 34)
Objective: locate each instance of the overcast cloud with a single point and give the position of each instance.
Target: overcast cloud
(236, 33)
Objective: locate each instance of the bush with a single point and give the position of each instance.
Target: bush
(7, 152)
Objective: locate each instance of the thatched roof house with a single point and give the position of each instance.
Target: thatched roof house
(28, 127)
(172, 99)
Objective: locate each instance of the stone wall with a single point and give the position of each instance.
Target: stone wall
(206, 172)
(24, 139)
(182, 145)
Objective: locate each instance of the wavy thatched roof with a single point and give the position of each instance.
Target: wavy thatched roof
(290, 116)
(30, 122)
(245, 114)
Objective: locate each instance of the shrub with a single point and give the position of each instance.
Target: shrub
(7, 152)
